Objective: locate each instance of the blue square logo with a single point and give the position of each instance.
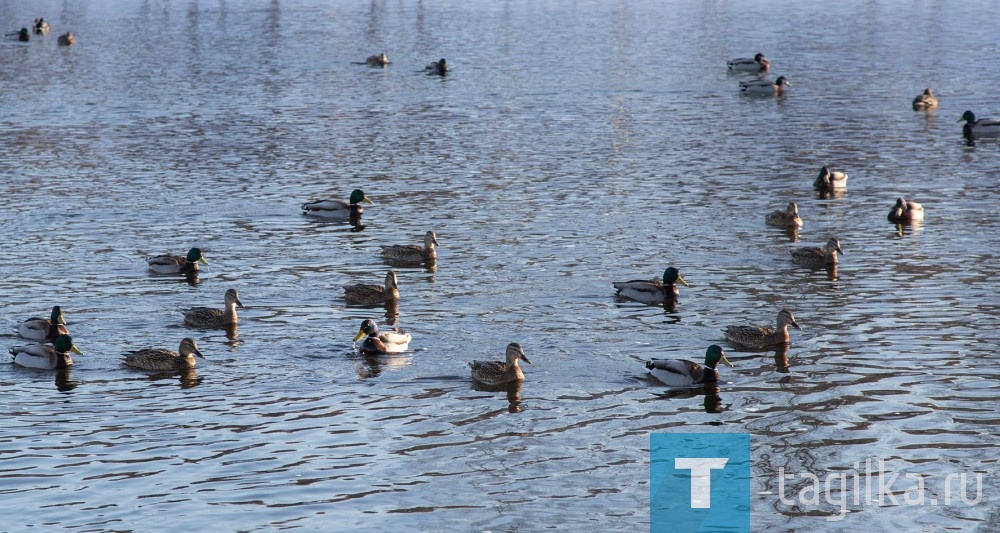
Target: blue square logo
(699, 482)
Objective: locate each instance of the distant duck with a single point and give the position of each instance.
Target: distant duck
(651, 291)
(364, 293)
(164, 360)
(411, 253)
(41, 27)
(212, 318)
(984, 127)
(500, 372)
(760, 336)
(757, 63)
(176, 264)
(379, 60)
(814, 257)
(439, 68)
(46, 356)
(829, 180)
(904, 211)
(40, 329)
(23, 35)
(788, 217)
(925, 101)
(380, 342)
(765, 87)
(66, 39)
(338, 208)
(681, 372)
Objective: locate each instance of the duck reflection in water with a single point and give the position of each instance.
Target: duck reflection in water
(711, 401)
(372, 366)
(781, 364)
(65, 381)
(513, 390)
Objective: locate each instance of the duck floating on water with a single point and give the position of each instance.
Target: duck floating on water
(365, 293)
(984, 127)
(437, 68)
(904, 211)
(761, 336)
(816, 257)
(379, 60)
(925, 101)
(788, 218)
(755, 64)
(651, 291)
(828, 180)
(411, 253)
(41, 27)
(500, 372)
(46, 356)
(40, 329)
(765, 87)
(164, 360)
(381, 342)
(66, 39)
(212, 318)
(682, 372)
(177, 264)
(338, 208)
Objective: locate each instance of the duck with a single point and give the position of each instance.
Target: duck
(46, 356)
(905, 211)
(23, 35)
(682, 372)
(66, 39)
(176, 264)
(829, 180)
(439, 67)
(379, 60)
(500, 372)
(788, 217)
(757, 63)
(162, 359)
(41, 27)
(760, 336)
(765, 87)
(365, 293)
(40, 329)
(815, 257)
(338, 208)
(412, 253)
(381, 342)
(925, 101)
(984, 127)
(212, 318)
(654, 290)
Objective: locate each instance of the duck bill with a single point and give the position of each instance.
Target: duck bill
(361, 333)
(196, 352)
(75, 350)
(202, 260)
(726, 361)
(682, 281)
(525, 359)
(367, 200)
(240, 304)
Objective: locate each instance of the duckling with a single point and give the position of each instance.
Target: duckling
(66, 39)
(176, 264)
(439, 68)
(380, 342)
(788, 217)
(211, 318)
(904, 211)
(500, 372)
(829, 180)
(757, 63)
(40, 329)
(814, 257)
(380, 60)
(46, 356)
(984, 127)
(364, 293)
(338, 208)
(651, 291)
(41, 27)
(164, 360)
(762, 337)
(411, 253)
(765, 87)
(925, 101)
(681, 372)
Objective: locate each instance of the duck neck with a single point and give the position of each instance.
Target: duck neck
(230, 313)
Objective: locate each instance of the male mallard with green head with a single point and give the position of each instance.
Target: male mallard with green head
(438, 68)
(338, 208)
(651, 291)
(761, 336)
(682, 372)
(380, 342)
(765, 87)
(984, 127)
(40, 329)
(176, 264)
(164, 360)
(755, 64)
(212, 318)
(46, 356)
(500, 372)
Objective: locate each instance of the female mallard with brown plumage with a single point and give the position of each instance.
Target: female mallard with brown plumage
(815, 257)
(653, 290)
(212, 318)
(925, 101)
(46, 356)
(681, 372)
(164, 360)
(177, 264)
(338, 208)
(365, 293)
(788, 217)
(66, 39)
(380, 342)
(411, 253)
(500, 372)
(761, 336)
(904, 212)
(379, 60)
(40, 329)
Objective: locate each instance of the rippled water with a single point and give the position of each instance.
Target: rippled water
(572, 145)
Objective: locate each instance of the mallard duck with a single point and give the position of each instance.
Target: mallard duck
(765, 87)
(788, 217)
(47, 356)
(411, 253)
(984, 127)
(41, 27)
(338, 208)
(40, 329)
(380, 342)
(365, 293)
(814, 257)
(164, 360)
(380, 60)
(681, 372)
(23, 35)
(66, 39)
(176, 264)
(651, 291)
(905, 211)
(500, 372)
(757, 63)
(925, 101)
(212, 318)
(439, 68)
(762, 337)
(829, 180)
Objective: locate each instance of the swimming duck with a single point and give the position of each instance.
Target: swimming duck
(23, 35)
(439, 68)
(757, 63)
(984, 127)
(379, 342)
(40, 329)
(760, 336)
(788, 217)
(66, 39)
(500, 372)
(46, 356)
(651, 291)
(765, 87)
(905, 211)
(365, 293)
(212, 318)
(681, 372)
(41, 27)
(164, 360)
(411, 253)
(176, 264)
(380, 60)
(338, 208)
(814, 257)
(829, 180)
(925, 101)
